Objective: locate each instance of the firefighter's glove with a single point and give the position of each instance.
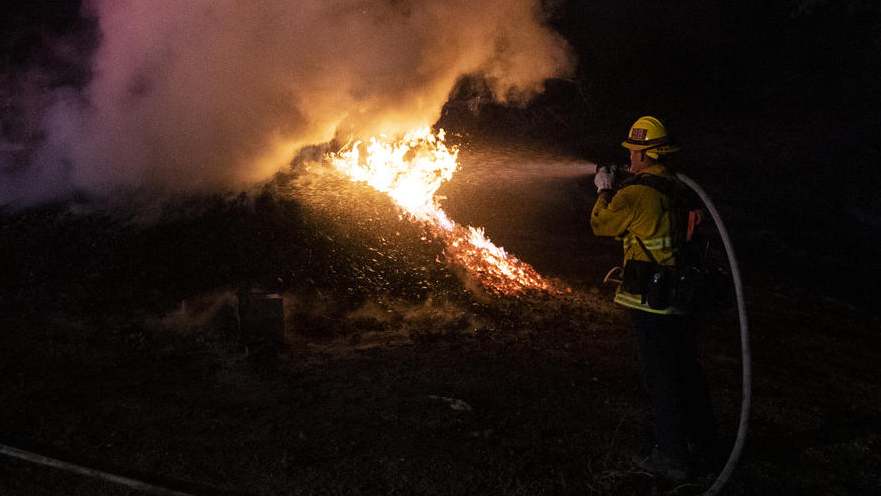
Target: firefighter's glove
(604, 179)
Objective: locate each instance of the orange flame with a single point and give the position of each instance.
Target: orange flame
(410, 171)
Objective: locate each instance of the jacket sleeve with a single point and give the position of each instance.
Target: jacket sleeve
(612, 215)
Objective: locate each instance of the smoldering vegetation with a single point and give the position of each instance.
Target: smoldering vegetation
(127, 317)
(350, 265)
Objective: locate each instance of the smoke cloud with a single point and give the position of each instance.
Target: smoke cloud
(215, 94)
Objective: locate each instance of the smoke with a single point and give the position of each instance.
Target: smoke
(216, 94)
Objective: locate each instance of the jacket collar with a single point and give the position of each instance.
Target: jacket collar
(656, 170)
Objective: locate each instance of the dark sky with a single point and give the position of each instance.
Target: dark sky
(27, 25)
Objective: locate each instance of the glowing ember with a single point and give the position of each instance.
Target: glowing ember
(410, 171)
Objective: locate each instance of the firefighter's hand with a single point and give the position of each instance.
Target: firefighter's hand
(604, 179)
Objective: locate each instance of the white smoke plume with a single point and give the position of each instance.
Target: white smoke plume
(202, 95)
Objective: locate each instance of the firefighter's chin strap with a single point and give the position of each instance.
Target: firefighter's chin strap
(744, 339)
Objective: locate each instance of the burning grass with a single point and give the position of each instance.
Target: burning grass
(410, 170)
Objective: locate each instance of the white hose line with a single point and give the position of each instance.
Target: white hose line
(98, 474)
(746, 364)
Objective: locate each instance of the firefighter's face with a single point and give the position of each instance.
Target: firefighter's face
(638, 160)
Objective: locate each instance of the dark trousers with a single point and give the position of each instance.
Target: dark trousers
(675, 383)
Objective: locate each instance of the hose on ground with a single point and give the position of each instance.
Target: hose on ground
(746, 365)
(97, 474)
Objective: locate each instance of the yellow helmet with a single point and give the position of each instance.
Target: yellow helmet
(649, 134)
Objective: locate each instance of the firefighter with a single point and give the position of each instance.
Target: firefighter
(650, 214)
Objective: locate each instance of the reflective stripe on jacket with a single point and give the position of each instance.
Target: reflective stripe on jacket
(643, 211)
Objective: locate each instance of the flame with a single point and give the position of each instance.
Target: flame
(410, 170)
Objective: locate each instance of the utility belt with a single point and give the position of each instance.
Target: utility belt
(661, 286)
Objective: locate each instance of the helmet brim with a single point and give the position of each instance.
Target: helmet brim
(633, 146)
(662, 149)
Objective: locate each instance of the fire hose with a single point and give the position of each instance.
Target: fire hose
(135, 484)
(746, 363)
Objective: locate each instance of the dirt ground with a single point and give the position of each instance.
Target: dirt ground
(121, 352)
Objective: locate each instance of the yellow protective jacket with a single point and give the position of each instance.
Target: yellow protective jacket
(643, 211)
